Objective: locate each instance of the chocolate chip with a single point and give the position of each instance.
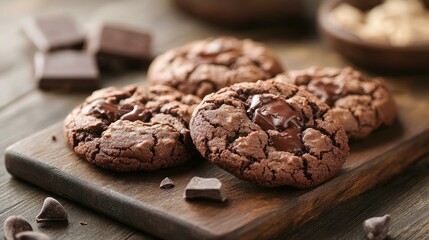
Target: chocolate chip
(272, 113)
(166, 183)
(66, 70)
(107, 110)
(54, 32)
(377, 227)
(207, 188)
(113, 112)
(138, 113)
(29, 235)
(52, 210)
(118, 48)
(327, 92)
(54, 138)
(14, 225)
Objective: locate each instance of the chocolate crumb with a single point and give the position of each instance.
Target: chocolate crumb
(206, 188)
(83, 223)
(166, 183)
(377, 227)
(54, 138)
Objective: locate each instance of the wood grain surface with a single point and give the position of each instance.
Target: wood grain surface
(25, 110)
(250, 213)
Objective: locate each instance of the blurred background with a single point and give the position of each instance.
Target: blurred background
(290, 27)
(170, 22)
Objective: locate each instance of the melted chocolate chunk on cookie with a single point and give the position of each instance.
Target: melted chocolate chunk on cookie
(109, 111)
(106, 107)
(328, 92)
(138, 113)
(272, 113)
(113, 112)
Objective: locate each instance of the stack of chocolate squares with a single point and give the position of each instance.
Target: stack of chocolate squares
(68, 59)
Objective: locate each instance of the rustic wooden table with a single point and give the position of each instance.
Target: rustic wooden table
(24, 110)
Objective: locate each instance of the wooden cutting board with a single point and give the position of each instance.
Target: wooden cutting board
(251, 212)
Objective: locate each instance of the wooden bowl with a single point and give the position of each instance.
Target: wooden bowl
(240, 12)
(372, 55)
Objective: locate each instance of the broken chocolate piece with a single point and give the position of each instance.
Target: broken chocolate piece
(14, 225)
(206, 188)
(30, 235)
(328, 92)
(54, 32)
(272, 113)
(52, 210)
(166, 183)
(377, 227)
(66, 70)
(117, 48)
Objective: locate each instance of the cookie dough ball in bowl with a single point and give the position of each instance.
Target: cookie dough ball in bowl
(205, 66)
(271, 134)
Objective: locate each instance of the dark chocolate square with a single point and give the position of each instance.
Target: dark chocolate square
(66, 70)
(206, 188)
(54, 32)
(118, 48)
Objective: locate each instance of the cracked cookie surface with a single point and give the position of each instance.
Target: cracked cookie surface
(361, 104)
(132, 128)
(205, 66)
(270, 133)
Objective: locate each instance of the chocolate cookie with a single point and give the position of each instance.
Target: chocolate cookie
(205, 66)
(134, 128)
(270, 133)
(361, 104)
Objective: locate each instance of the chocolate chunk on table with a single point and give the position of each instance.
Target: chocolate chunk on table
(66, 70)
(14, 225)
(54, 32)
(30, 235)
(118, 48)
(377, 227)
(52, 210)
(206, 188)
(166, 183)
